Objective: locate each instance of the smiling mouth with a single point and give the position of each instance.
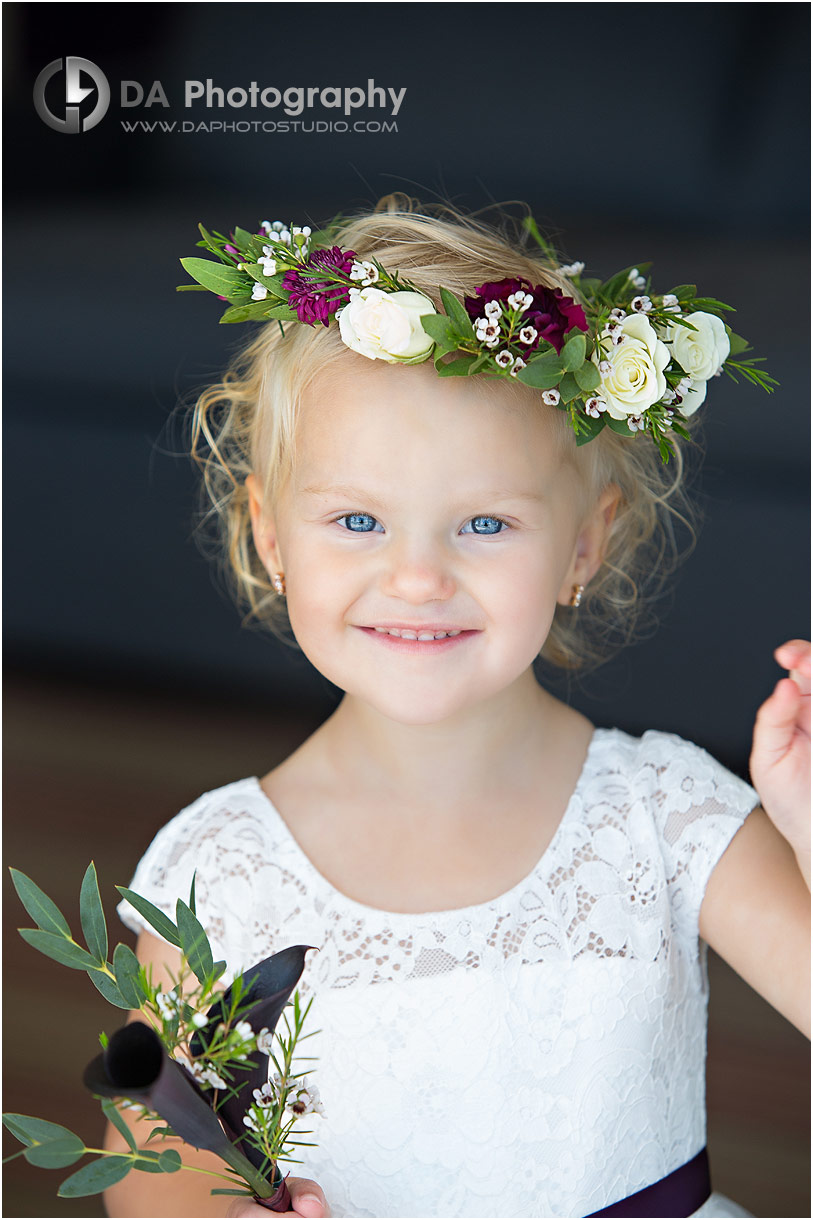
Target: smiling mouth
(406, 633)
(429, 637)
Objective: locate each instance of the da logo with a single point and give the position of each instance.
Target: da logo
(71, 120)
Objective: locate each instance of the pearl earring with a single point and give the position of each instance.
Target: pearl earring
(577, 595)
(278, 581)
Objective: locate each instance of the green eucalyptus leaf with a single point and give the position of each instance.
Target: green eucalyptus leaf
(569, 388)
(225, 281)
(95, 1177)
(574, 351)
(114, 1116)
(162, 924)
(45, 913)
(148, 1161)
(543, 372)
(194, 942)
(456, 368)
(442, 330)
(258, 311)
(594, 426)
(457, 312)
(619, 426)
(170, 1160)
(282, 313)
(108, 988)
(127, 969)
(588, 376)
(55, 946)
(56, 1154)
(30, 1130)
(91, 914)
(738, 345)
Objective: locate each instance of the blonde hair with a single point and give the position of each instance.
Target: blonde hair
(246, 424)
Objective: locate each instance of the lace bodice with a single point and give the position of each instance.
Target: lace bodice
(541, 1054)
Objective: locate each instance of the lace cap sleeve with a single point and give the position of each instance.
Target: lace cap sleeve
(698, 807)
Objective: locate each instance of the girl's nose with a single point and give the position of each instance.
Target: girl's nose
(419, 573)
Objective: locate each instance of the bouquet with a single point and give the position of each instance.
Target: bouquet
(198, 1065)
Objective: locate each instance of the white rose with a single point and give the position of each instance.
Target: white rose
(635, 378)
(387, 325)
(701, 352)
(692, 398)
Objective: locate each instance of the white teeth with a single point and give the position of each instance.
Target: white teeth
(407, 634)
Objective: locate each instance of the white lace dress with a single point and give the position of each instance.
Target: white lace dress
(542, 1054)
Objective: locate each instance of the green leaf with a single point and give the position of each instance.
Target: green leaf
(57, 947)
(218, 969)
(30, 1130)
(574, 351)
(91, 914)
(684, 292)
(97, 1176)
(194, 942)
(588, 376)
(148, 1161)
(442, 330)
(283, 312)
(114, 1116)
(192, 895)
(162, 924)
(56, 1154)
(619, 426)
(126, 967)
(592, 430)
(456, 311)
(456, 368)
(109, 989)
(569, 388)
(45, 913)
(543, 373)
(738, 344)
(170, 1160)
(225, 281)
(224, 1190)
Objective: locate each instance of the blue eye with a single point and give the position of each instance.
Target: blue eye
(360, 523)
(484, 525)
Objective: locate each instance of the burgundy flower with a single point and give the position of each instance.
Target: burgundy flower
(552, 314)
(316, 299)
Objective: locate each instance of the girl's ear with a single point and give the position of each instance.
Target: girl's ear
(591, 543)
(263, 528)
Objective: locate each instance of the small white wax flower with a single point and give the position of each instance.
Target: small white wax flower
(210, 1076)
(572, 269)
(594, 406)
(671, 303)
(277, 226)
(167, 1003)
(365, 272)
(605, 368)
(243, 1031)
(638, 280)
(264, 1096)
(248, 1121)
(266, 226)
(504, 358)
(285, 237)
(493, 309)
(305, 1099)
(518, 364)
(641, 304)
(635, 423)
(618, 314)
(528, 334)
(265, 1042)
(259, 292)
(268, 264)
(551, 397)
(520, 300)
(199, 1020)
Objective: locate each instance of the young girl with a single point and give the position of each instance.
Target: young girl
(511, 906)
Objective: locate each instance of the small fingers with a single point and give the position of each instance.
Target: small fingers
(307, 1197)
(776, 720)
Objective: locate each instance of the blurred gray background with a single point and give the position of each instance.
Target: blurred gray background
(681, 138)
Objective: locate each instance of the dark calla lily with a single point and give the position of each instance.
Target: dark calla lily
(267, 989)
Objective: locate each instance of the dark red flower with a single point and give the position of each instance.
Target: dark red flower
(315, 299)
(552, 314)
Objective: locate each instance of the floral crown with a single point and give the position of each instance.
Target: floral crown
(620, 356)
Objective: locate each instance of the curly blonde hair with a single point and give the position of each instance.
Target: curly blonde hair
(246, 424)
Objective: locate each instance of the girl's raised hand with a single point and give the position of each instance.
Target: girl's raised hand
(307, 1199)
(780, 757)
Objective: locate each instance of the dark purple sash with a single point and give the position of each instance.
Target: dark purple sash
(678, 1194)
